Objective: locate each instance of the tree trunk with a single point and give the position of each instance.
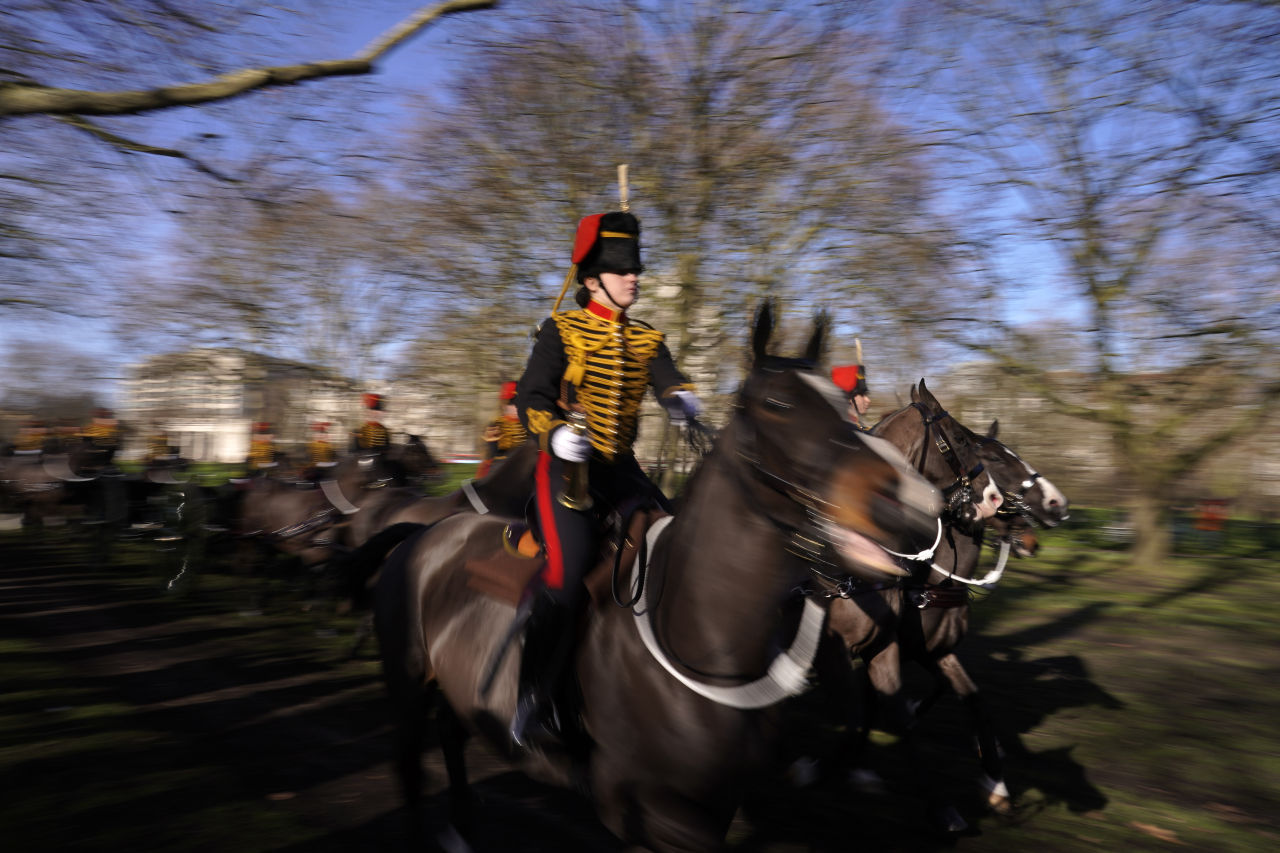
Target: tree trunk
(1151, 544)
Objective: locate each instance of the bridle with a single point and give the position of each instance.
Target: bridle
(1015, 503)
(810, 540)
(958, 496)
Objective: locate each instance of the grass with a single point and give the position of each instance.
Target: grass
(1137, 712)
(101, 763)
(1156, 686)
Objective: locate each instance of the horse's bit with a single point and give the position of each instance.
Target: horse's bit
(1015, 503)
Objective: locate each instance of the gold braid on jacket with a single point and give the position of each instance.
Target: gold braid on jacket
(372, 436)
(508, 433)
(320, 450)
(261, 453)
(609, 361)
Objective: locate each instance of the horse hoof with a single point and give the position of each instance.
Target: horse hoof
(1001, 805)
(866, 781)
(451, 841)
(998, 798)
(803, 772)
(949, 821)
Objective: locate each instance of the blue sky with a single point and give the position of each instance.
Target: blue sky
(414, 67)
(417, 67)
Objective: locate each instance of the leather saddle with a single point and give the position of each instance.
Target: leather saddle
(513, 568)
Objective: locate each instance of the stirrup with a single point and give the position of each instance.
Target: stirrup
(533, 724)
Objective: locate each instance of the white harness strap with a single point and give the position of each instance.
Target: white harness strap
(333, 492)
(469, 489)
(926, 554)
(787, 675)
(992, 577)
(57, 467)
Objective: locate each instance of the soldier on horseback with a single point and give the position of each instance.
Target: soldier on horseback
(262, 448)
(852, 379)
(505, 432)
(159, 451)
(320, 450)
(372, 437)
(580, 398)
(103, 432)
(31, 436)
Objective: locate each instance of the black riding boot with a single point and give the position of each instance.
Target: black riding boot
(546, 643)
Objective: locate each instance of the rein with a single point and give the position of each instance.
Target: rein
(989, 580)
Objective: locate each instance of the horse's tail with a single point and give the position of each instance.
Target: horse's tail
(360, 567)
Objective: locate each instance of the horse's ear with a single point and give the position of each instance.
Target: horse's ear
(763, 330)
(926, 396)
(813, 352)
(995, 428)
(915, 395)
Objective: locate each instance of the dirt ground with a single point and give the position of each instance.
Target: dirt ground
(211, 717)
(291, 729)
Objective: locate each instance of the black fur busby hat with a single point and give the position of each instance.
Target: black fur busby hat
(606, 242)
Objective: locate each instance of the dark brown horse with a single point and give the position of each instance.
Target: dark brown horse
(503, 491)
(301, 519)
(678, 695)
(924, 618)
(37, 483)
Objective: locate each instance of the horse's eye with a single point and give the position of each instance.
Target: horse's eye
(776, 405)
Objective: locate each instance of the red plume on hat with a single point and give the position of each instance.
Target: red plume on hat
(508, 391)
(852, 378)
(373, 401)
(585, 240)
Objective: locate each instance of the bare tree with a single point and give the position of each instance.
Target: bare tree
(1120, 159)
(757, 166)
(23, 95)
(87, 96)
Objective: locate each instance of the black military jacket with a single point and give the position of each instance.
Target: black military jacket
(608, 360)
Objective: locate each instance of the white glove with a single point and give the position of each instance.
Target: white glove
(686, 406)
(569, 445)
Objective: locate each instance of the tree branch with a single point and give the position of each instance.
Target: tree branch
(141, 147)
(28, 98)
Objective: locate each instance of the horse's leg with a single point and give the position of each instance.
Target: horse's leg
(411, 703)
(845, 695)
(364, 630)
(885, 670)
(989, 752)
(664, 821)
(940, 683)
(453, 741)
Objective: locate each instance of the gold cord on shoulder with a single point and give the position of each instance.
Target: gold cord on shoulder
(573, 271)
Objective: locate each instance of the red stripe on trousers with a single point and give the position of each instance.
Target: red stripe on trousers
(553, 574)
